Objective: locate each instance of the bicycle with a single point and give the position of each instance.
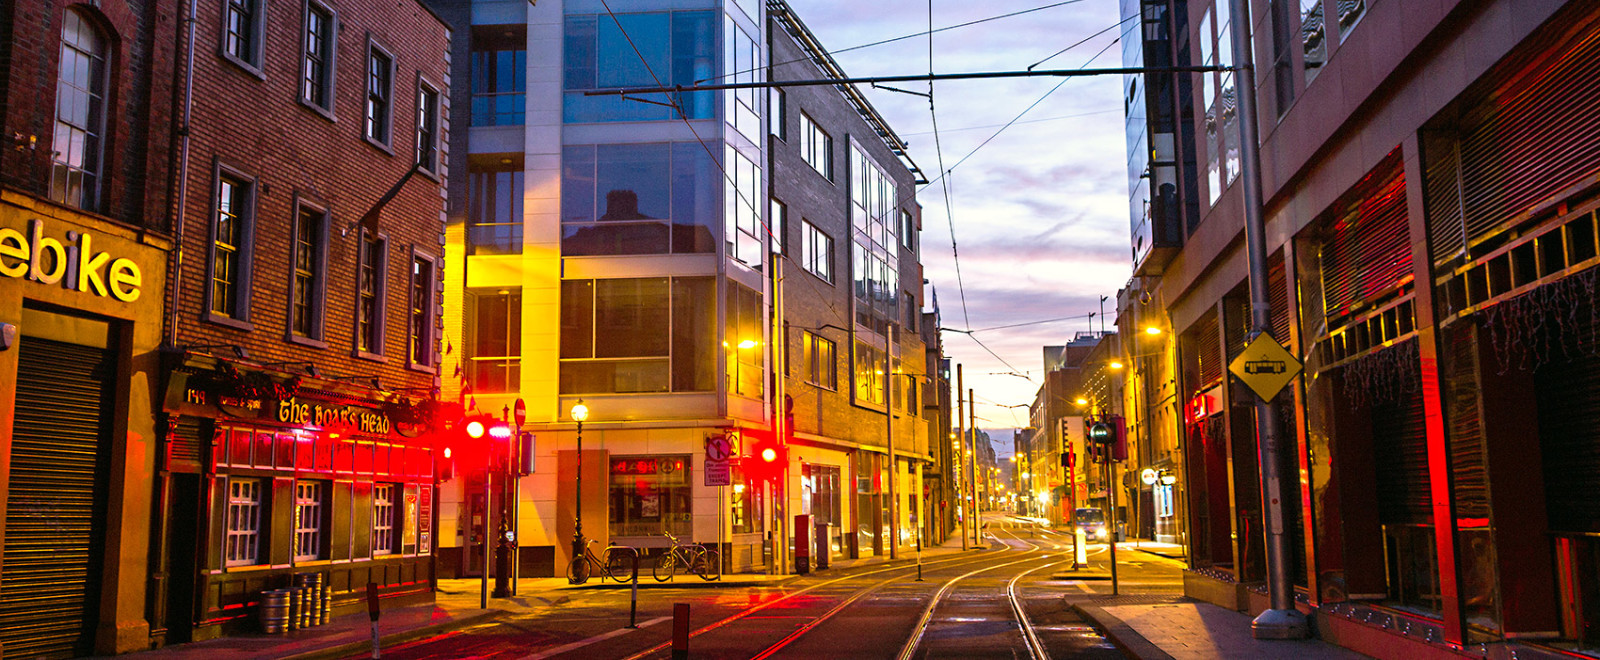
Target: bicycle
(698, 559)
(618, 565)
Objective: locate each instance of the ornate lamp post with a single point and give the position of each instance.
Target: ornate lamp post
(580, 413)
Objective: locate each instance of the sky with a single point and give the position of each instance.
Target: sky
(1040, 214)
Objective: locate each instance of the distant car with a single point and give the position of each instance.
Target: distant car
(1092, 522)
(1265, 367)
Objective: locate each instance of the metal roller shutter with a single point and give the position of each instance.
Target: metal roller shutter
(1569, 440)
(56, 509)
(1368, 248)
(1400, 455)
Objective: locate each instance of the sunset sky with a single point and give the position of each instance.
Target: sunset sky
(1040, 213)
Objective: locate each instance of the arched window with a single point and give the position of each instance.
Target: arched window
(76, 167)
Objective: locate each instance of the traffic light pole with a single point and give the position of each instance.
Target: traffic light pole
(1281, 620)
(888, 429)
(972, 462)
(961, 432)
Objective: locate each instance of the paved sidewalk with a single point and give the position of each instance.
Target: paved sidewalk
(1190, 630)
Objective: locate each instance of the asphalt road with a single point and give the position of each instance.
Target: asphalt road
(1009, 600)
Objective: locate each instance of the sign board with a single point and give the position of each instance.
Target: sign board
(1148, 476)
(519, 412)
(719, 450)
(1265, 366)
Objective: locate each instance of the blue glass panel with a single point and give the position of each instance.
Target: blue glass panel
(577, 184)
(636, 55)
(611, 238)
(580, 52)
(694, 58)
(695, 182)
(633, 181)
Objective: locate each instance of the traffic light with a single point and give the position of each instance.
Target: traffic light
(1101, 432)
(767, 456)
(1119, 441)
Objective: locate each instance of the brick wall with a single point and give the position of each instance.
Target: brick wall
(810, 302)
(137, 147)
(257, 125)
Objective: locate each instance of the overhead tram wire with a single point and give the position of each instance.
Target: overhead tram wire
(903, 37)
(677, 107)
(949, 209)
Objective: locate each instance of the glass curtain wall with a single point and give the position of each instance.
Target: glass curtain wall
(876, 271)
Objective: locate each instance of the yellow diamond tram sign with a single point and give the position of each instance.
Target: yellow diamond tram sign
(1265, 366)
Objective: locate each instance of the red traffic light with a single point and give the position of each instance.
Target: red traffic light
(768, 457)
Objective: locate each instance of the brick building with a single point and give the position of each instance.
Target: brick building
(305, 331)
(1428, 175)
(83, 254)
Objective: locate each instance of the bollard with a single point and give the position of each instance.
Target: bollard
(372, 613)
(1081, 546)
(633, 605)
(680, 631)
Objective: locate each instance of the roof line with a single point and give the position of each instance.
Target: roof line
(831, 69)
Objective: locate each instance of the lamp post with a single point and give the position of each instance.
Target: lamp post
(580, 413)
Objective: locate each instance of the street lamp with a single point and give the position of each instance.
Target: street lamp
(580, 413)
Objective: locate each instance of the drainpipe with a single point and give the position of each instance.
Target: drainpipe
(176, 270)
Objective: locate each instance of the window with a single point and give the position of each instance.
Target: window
(243, 544)
(743, 215)
(380, 95)
(1282, 57)
(427, 128)
(1313, 37)
(816, 147)
(383, 519)
(306, 290)
(1350, 13)
(908, 231)
(494, 210)
(650, 495)
(230, 248)
(778, 222)
(639, 50)
(316, 76)
(776, 116)
(370, 296)
(421, 312)
(743, 341)
(241, 36)
(816, 251)
(869, 378)
(308, 520)
(499, 75)
(743, 62)
(494, 338)
(1218, 97)
(638, 199)
(819, 359)
(637, 335)
(75, 163)
(745, 508)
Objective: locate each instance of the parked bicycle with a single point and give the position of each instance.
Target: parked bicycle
(618, 562)
(697, 559)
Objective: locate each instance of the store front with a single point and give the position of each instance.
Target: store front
(651, 496)
(272, 476)
(80, 322)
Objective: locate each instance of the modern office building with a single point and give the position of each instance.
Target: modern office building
(692, 267)
(1428, 173)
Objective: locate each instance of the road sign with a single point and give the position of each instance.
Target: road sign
(519, 412)
(1265, 366)
(718, 450)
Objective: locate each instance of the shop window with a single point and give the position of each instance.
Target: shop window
(80, 115)
(243, 544)
(383, 519)
(745, 508)
(651, 495)
(308, 520)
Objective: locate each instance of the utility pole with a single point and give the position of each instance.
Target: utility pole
(972, 461)
(961, 432)
(1281, 620)
(778, 344)
(888, 429)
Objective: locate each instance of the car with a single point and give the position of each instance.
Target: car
(1092, 522)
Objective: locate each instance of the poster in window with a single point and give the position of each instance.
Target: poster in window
(408, 536)
(425, 520)
(650, 506)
